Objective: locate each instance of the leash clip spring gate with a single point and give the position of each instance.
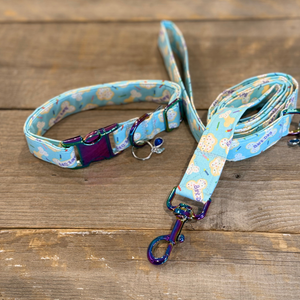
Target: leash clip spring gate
(183, 213)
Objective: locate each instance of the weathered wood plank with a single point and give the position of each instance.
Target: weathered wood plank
(133, 10)
(100, 264)
(40, 61)
(130, 194)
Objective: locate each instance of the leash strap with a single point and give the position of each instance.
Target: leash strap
(242, 122)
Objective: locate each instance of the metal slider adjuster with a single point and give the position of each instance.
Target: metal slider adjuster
(296, 133)
(183, 213)
(93, 147)
(133, 130)
(165, 112)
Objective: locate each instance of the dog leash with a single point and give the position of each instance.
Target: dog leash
(269, 100)
(230, 134)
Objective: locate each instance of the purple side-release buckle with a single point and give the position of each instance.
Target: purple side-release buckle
(93, 147)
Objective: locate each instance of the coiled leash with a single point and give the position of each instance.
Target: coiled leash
(242, 122)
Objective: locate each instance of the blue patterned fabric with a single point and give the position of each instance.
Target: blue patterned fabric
(229, 134)
(243, 121)
(86, 98)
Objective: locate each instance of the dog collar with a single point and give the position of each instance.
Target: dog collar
(96, 145)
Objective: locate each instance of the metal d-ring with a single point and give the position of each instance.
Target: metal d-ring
(156, 148)
(295, 133)
(134, 128)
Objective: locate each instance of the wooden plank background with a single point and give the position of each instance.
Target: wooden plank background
(42, 60)
(83, 234)
(139, 11)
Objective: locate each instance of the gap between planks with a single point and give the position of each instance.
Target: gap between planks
(250, 19)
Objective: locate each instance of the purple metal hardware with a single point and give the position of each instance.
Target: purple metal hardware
(296, 141)
(183, 213)
(294, 132)
(133, 129)
(166, 109)
(94, 146)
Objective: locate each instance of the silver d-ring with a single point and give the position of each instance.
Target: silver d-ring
(142, 142)
(156, 148)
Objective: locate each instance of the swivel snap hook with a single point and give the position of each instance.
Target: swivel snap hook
(183, 213)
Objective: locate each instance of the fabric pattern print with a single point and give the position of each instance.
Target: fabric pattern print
(161, 117)
(254, 147)
(40, 153)
(173, 125)
(166, 50)
(123, 144)
(192, 168)
(197, 188)
(234, 143)
(194, 125)
(66, 108)
(176, 75)
(247, 128)
(171, 115)
(147, 85)
(239, 156)
(124, 84)
(66, 163)
(216, 166)
(246, 97)
(89, 106)
(285, 126)
(104, 93)
(207, 143)
(77, 96)
(133, 94)
(153, 133)
(46, 108)
(226, 116)
(40, 126)
(225, 144)
(137, 136)
(166, 96)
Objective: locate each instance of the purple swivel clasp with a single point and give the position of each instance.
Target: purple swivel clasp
(183, 213)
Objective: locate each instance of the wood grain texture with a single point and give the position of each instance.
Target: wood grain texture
(257, 194)
(139, 11)
(83, 234)
(40, 61)
(100, 264)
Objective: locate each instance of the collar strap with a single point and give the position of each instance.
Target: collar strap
(96, 145)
